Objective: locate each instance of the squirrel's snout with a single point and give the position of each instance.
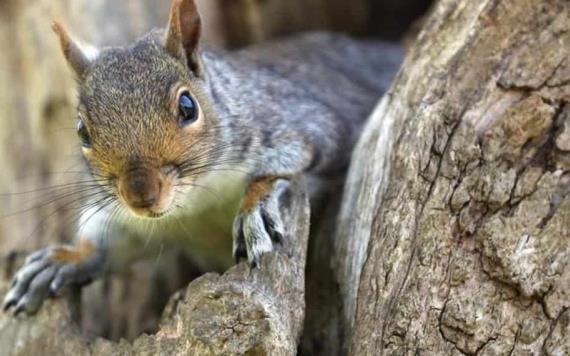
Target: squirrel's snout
(141, 189)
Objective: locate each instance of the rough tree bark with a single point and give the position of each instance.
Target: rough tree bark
(242, 312)
(455, 238)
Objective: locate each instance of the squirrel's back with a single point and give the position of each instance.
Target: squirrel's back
(161, 121)
(326, 64)
(328, 81)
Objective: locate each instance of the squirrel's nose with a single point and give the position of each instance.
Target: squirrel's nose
(140, 188)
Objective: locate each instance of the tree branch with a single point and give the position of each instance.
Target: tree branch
(243, 311)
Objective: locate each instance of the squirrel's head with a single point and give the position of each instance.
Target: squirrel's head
(145, 121)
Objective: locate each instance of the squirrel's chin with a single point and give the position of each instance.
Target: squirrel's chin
(155, 211)
(158, 215)
(148, 213)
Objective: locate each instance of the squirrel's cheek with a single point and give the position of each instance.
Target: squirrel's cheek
(166, 195)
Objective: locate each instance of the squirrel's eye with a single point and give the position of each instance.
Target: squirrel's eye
(83, 134)
(187, 110)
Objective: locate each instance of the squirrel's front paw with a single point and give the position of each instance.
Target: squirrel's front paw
(259, 226)
(48, 270)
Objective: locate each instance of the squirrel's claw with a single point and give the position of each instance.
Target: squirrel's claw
(43, 276)
(257, 230)
(239, 249)
(37, 292)
(22, 280)
(25, 284)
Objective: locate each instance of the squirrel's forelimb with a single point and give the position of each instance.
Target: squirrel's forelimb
(160, 122)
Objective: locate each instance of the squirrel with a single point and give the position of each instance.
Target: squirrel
(164, 119)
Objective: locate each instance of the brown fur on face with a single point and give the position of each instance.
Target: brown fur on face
(147, 191)
(129, 105)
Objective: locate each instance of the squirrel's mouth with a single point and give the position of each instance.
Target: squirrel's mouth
(146, 192)
(148, 214)
(157, 215)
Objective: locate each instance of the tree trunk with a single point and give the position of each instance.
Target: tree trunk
(251, 21)
(455, 238)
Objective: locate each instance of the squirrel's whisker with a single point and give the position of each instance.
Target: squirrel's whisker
(81, 193)
(155, 123)
(45, 219)
(51, 190)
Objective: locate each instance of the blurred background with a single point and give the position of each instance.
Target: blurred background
(38, 145)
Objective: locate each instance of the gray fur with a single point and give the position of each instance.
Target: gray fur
(41, 276)
(255, 232)
(280, 110)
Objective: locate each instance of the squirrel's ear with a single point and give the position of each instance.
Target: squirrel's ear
(78, 58)
(183, 33)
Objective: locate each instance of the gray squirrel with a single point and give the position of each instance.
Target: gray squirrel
(163, 120)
